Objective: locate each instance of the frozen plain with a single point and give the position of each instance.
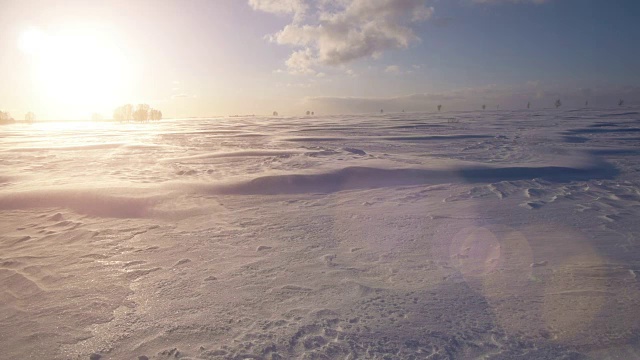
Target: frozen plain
(466, 235)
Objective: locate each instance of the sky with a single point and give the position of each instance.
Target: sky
(69, 59)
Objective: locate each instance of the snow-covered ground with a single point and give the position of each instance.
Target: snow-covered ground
(472, 235)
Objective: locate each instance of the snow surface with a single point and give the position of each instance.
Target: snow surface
(472, 235)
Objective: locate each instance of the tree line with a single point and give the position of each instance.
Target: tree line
(141, 113)
(6, 118)
(557, 104)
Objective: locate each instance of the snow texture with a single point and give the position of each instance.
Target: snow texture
(470, 235)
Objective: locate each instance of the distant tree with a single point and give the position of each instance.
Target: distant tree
(529, 105)
(497, 107)
(439, 107)
(381, 111)
(142, 112)
(621, 102)
(313, 113)
(30, 117)
(96, 117)
(155, 114)
(586, 103)
(123, 113)
(128, 112)
(484, 107)
(308, 112)
(558, 103)
(5, 118)
(275, 113)
(118, 114)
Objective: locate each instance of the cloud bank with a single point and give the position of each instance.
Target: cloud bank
(508, 97)
(336, 32)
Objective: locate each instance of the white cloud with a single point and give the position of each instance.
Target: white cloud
(393, 69)
(298, 85)
(336, 32)
(301, 62)
(296, 7)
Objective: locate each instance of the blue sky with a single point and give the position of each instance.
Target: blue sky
(204, 58)
(576, 40)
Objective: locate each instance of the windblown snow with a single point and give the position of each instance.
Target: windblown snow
(471, 235)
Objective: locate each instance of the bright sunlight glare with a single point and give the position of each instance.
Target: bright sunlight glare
(31, 41)
(80, 69)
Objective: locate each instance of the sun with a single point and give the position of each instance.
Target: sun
(31, 41)
(80, 69)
